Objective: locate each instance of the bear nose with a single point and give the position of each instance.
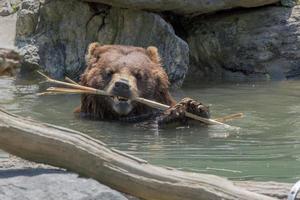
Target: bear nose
(122, 84)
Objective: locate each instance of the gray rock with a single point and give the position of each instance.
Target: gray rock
(13, 167)
(48, 184)
(59, 37)
(9, 162)
(27, 18)
(257, 44)
(9, 62)
(289, 3)
(8, 31)
(6, 9)
(191, 7)
(31, 58)
(57, 33)
(138, 28)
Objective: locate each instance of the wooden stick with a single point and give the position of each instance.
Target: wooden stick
(230, 117)
(56, 91)
(70, 80)
(160, 106)
(68, 90)
(49, 93)
(50, 80)
(148, 102)
(153, 104)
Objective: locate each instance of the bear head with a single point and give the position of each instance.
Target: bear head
(125, 72)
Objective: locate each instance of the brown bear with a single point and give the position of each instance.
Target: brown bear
(127, 72)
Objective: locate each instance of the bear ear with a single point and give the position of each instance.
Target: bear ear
(90, 51)
(153, 54)
(92, 47)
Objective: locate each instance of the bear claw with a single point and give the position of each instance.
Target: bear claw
(176, 113)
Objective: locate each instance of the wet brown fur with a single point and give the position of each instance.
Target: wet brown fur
(141, 66)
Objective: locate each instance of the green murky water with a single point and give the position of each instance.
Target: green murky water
(267, 147)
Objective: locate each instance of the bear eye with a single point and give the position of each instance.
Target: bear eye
(109, 73)
(138, 75)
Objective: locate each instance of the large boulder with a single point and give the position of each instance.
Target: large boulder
(5, 9)
(55, 35)
(191, 7)
(138, 28)
(260, 43)
(8, 7)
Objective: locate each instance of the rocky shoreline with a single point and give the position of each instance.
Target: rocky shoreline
(22, 179)
(14, 162)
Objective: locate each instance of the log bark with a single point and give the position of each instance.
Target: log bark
(272, 189)
(72, 150)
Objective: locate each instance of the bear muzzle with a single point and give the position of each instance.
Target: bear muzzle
(122, 88)
(121, 105)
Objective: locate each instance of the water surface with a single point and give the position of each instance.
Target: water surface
(265, 148)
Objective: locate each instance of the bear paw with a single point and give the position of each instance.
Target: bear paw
(176, 113)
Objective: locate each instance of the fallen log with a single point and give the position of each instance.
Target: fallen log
(74, 151)
(272, 189)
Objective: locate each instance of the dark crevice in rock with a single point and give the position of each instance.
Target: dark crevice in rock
(242, 71)
(99, 10)
(236, 10)
(104, 14)
(177, 22)
(293, 75)
(38, 24)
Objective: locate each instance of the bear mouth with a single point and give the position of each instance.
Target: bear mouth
(119, 99)
(121, 105)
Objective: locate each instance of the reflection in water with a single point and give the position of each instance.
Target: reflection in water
(266, 147)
